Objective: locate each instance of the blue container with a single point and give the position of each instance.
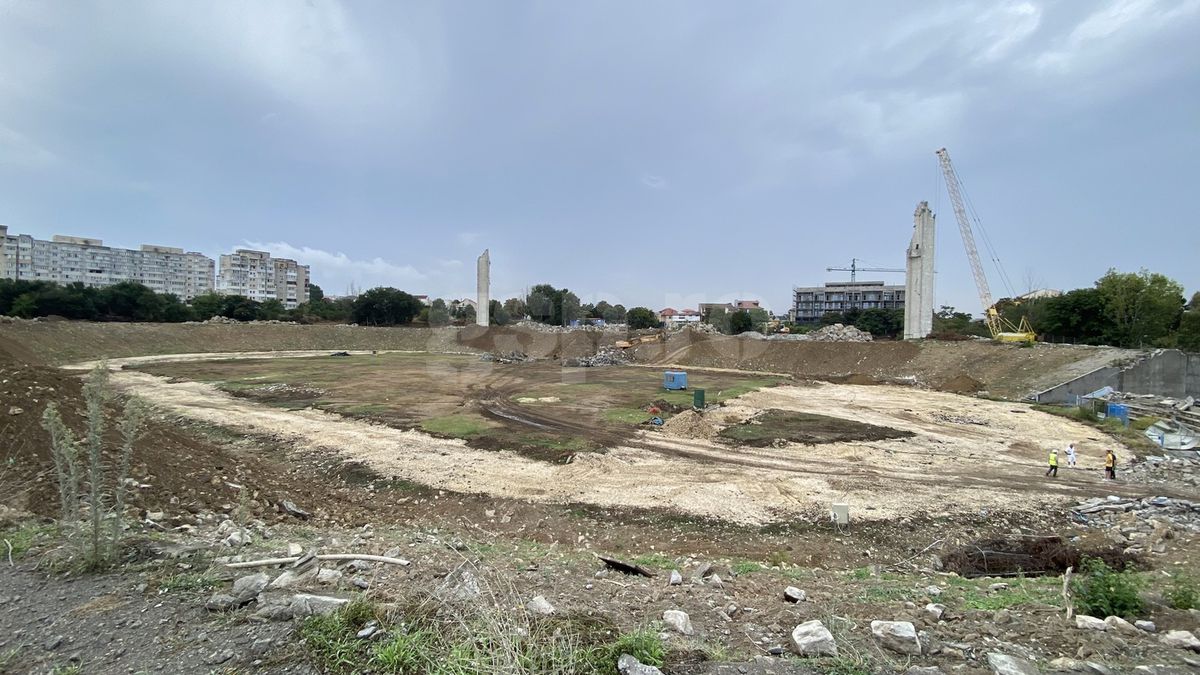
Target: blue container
(674, 379)
(1119, 411)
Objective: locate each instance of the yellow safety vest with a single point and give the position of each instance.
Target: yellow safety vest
(1053, 458)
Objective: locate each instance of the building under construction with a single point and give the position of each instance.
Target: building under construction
(811, 303)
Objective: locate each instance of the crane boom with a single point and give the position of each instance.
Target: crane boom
(954, 187)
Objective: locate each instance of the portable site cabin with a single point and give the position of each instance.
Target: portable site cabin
(674, 379)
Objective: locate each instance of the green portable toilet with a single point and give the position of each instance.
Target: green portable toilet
(698, 399)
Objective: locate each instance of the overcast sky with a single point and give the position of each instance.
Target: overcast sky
(660, 153)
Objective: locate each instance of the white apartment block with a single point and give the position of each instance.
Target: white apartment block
(258, 276)
(66, 260)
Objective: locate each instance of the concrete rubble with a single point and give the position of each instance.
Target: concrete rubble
(1141, 525)
(834, 333)
(505, 357)
(605, 356)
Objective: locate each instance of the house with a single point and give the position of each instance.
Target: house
(678, 317)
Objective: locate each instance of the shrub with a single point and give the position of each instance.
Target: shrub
(1103, 591)
(1183, 593)
(83, 475)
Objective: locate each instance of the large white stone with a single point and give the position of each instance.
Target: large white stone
(1003, 664)
(1180, 639)
(812, 638)
(679, 621)
(1086, 622)
(1116, 623)
(898, 636)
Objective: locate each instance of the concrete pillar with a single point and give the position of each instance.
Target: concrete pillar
(918, 278)
(483, 288)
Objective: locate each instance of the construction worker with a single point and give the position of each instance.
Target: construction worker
(1110, 465)
(1053, 470)
(1071, 455)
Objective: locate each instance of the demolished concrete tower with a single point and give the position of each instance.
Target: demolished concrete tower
(483, 288)
(918, 278)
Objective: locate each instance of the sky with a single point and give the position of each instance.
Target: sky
(658, 154)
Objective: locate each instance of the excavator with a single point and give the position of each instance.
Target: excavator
(1001, 329)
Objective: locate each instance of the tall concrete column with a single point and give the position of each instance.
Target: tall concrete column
(918, 278)
(483, 282)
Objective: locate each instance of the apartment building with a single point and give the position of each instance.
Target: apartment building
(258, 276)
(811, 303)
(66, 260)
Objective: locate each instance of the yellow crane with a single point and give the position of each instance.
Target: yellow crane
(1002, 330)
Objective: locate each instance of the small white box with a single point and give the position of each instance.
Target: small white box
(840, 514)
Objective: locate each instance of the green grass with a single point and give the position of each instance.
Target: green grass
(24, 536)
(492, 640)
(189, 582)
(860, 573)
(8, 659)
(746, 567)
(626, 415)
(1021, 592)
(456, 426)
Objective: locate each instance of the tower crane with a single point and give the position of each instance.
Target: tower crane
(855, 268)
(1002, 330)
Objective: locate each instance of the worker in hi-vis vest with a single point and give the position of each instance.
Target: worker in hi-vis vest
(1053, 470)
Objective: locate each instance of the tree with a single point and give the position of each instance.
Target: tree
(130, 300)
(1077, 316)
(207, 306)
(438, 314)
(315, 294)
(239, 307)
(554, 306)
(758, 317)
(1142, 308)
(947, 321)
(614, 314)
(497, 314)
(515, 308)
(641, 317)
(881, 322)
(270, 309)
(717, 316)
(1188, 337)
(385, 306)
(740, 322)
(598, 310)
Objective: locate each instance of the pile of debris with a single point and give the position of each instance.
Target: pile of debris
(835, 333)
(606, 356)
(1140, 525)
(1165, 468)
(505, 357)
(946, 418)
(546, 328)
(283, 390)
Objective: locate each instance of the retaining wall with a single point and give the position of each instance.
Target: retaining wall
(1167, 372)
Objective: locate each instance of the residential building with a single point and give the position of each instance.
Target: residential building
(678, 317)
(258, 276)
(67, 260)
(811, 303)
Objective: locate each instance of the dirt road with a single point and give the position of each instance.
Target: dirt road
(967, 454)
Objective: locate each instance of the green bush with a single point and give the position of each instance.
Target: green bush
(1102, 591)
(1183, 593)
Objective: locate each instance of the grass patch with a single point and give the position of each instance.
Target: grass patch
(1183, 593)
(746, 567)
(24, 536)
(1101, 590)
(189, 582)
(626, 415)
(440, 640)
(456, 426)
(1021, 592)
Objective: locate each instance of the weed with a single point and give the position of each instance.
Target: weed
(1102, 591)
(1183, 593)
(778, 558)
(23, 537)
(860, 573)
(79, 465)
(848, 665)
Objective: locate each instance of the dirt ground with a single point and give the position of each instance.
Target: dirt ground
(965, 454)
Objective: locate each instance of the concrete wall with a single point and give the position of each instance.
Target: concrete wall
(1167, 372)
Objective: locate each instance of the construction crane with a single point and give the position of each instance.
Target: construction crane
(1002, 330)
(854, 268)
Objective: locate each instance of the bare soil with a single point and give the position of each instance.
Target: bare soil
(775, 426)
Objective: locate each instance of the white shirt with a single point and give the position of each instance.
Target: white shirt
(1071, 451)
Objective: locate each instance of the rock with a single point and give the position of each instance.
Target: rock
(933, 591)
(679, 621)
(1147, 626)
(236, 539)
(998, 587)
(367, 631)
(715, 580)
(295, 550)
(1003, 664)
(220, 602)
(1180, 639)
(923, 670)
(1120, 625)
(1002, 616)
(540, 605)
(812, 638)
(1067, 665)
(248, 587)
(156, 516)
(793, 594)
(935, 611)
(675, 580)
(629, 665)
(53, 642)
(328, 577)
(360, 583)
(1085, 622)
(898, 636)
(218, 657)
(290, 578)
(459, 586)
(304, 604)
(15, 410)
(292, 510)
(261, 646)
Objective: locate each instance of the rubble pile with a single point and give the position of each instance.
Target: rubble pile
(281, 389)
(834, 333)
(690, 424)
(606, 356)
(256, 322)
(1164, 468)
(1140, 525)
(505, 357)
(545, 328)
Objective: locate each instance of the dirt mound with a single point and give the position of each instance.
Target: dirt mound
(576, 344)
(781, 425)
(962, 384)
(1031, 556)
(689, 424)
